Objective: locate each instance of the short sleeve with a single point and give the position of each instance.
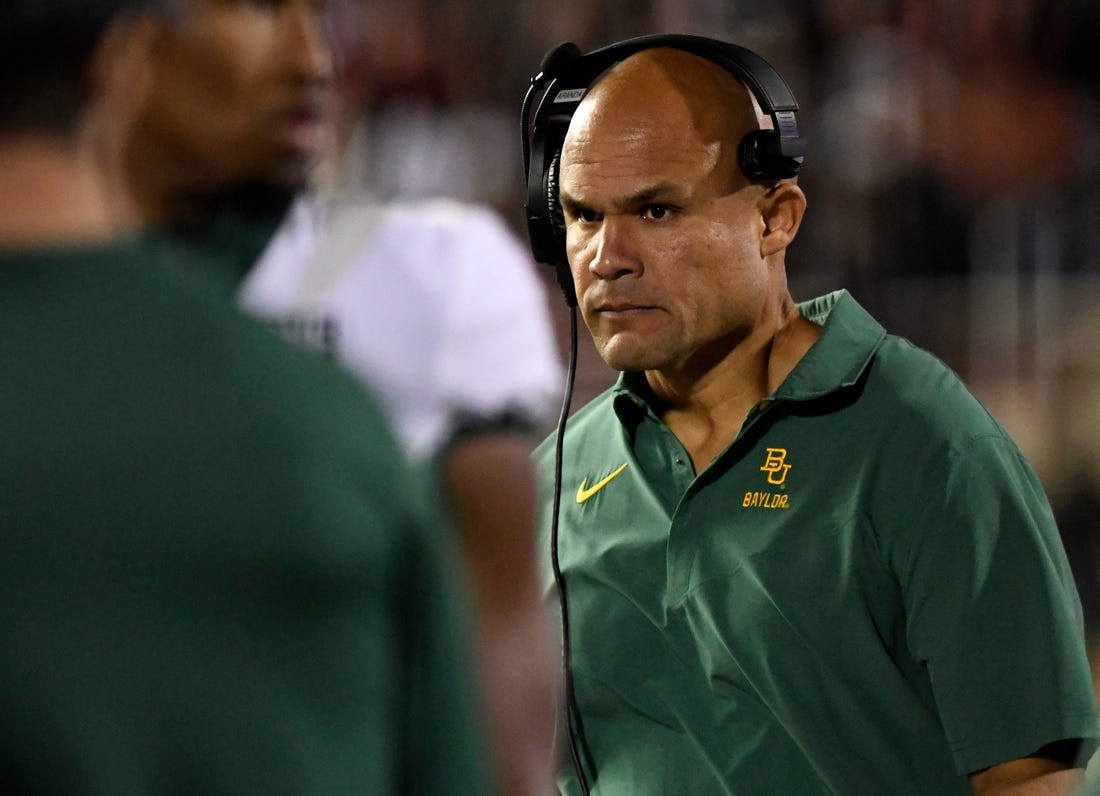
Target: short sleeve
(992, 610)
(498, 355)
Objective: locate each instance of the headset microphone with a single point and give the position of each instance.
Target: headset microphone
(565, 53)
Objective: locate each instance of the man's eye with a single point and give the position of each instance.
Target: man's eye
(655, 212)
(587, 216)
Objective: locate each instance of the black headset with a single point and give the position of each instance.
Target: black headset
(564, 78)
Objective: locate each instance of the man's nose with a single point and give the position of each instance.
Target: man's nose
(614, 254)
(308, 44)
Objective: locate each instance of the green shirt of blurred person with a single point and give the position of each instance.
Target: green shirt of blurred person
(209, 585)
(238, 116)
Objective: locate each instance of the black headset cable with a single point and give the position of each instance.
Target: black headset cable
(572, 714)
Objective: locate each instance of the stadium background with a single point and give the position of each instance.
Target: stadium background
(952, 148)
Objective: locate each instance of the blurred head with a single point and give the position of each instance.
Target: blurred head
(238, 98)
(46, 61)
(676, 255)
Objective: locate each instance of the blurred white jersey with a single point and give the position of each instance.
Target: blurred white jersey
(434, 305)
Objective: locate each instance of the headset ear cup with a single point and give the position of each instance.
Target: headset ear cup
(748, 156)
(760, 157)
(557, 230)
(553, 202)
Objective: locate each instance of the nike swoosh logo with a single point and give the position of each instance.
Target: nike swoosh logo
(584, 492)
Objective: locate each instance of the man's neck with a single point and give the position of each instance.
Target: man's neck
(193, 208)
(185, 192)
(706, 407)
(232, 228)
(56, 193)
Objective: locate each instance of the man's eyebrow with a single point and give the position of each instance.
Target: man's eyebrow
(569, 204)
(663, 190)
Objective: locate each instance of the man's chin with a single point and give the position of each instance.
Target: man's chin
(624, 356)
(289, 176)
(261, 197)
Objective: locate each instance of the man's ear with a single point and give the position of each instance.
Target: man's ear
(120, 75)
(119, 81)
(782, 207)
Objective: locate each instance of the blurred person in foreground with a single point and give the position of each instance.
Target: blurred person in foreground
(802, 558)
(209, 586)
(434, 303)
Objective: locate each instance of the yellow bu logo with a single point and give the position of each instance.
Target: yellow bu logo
(775, 465)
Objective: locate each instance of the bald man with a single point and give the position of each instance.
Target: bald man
(800, 556)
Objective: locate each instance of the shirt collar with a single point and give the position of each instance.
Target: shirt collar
(849, 339)
(631, 398)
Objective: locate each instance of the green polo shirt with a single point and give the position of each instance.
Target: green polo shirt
(217, 574)
(865, 593)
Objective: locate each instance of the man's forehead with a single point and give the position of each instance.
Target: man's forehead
(622, 125)
(620, 165)
(666, 82)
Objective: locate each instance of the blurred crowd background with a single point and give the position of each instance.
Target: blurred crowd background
(950, 172)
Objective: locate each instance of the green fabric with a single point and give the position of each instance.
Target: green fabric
(864, 594)
(215, 578)
(1092, 776)
(228, 236)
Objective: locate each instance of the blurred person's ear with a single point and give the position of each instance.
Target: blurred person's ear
(119, 81)
(120, 76)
